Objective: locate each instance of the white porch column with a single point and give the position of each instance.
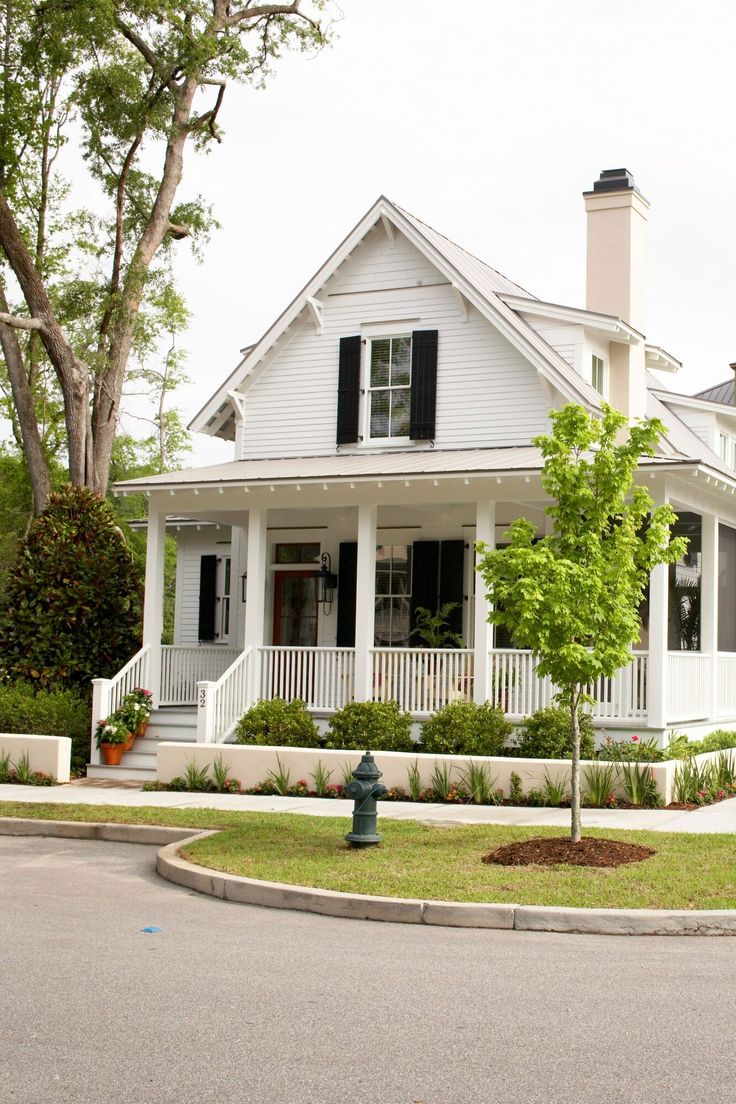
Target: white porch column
(238, 552)
(485, 530)
(365, 601)
(657, 662)
(709, 605)
(153, 602)
(255, 587)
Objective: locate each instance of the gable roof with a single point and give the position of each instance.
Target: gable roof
(478, 283)
(678, 434)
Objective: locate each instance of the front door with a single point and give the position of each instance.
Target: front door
(295, 609)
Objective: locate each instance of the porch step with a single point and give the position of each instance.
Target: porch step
(177, 724)
(123, 772)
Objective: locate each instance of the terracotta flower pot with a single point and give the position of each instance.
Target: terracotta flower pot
(142, 726)
(129, 742)
(112, 754)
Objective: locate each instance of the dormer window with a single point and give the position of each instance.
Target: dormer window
(389, 388)
(598, 375)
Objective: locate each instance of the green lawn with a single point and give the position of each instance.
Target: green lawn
(433, 863)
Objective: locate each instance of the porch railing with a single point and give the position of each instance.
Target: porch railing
(220, 704)
(515, 687)
(422, 680)
(182, 668)
(322, 677)
(107, 694)
(689, 686)
(726, 684)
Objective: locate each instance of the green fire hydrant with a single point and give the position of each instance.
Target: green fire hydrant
(365, 789)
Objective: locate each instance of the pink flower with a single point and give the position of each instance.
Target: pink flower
(635, 739)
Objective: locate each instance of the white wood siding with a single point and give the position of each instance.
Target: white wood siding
(192, 544)
(487, 394)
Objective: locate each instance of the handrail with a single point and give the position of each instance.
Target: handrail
(107, 694)
(220, 704)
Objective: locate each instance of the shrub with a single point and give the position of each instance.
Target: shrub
(720, 740)
(546, 735)
(633, 749)
(464, 728)
(72, 605)
(375, 726)
(278, 723)
(24, 708)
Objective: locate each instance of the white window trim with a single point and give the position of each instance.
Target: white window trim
(380, 333)
(603, 390)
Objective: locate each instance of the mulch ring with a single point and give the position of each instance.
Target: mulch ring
(558, 850)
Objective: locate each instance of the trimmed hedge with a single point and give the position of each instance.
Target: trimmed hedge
(464, 728)
(374, 726)
(25, 709)
(546, 735)
(279, 723)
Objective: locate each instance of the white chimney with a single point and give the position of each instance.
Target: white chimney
(616, 278)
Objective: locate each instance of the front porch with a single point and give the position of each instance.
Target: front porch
(222, 683)
(280, 635)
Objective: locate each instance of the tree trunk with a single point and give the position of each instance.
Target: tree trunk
(26, 412)
(110, 385)
(575, 820)
(71, 372)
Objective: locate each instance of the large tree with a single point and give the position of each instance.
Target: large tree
(140, 79)
(574, 596)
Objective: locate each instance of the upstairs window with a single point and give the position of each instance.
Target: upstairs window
(598, 375)
(389, 391)
(387, 386)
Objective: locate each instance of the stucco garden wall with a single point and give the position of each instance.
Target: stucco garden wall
(251, 764)
(50, 754)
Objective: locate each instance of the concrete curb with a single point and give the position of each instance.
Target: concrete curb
(229, 887)
(80, 829)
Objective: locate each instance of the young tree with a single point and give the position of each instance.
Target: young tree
(573, 597)
(132, 73)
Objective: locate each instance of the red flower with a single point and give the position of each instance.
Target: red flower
(635, 739)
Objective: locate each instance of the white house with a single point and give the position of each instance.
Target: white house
(380, 427)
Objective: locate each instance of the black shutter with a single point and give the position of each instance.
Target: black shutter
(207, 597)
(348, 391)
(346, 589)
(452, 563)
(423, 385)
(424, 571)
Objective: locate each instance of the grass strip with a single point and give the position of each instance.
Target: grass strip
(433, 862)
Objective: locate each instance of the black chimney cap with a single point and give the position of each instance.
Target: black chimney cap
(614, 180)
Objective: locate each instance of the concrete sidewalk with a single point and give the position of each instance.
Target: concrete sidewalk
(711, 818)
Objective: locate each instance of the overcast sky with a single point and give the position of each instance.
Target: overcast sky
(487, 120)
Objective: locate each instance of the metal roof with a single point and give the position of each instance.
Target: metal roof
(345, 466)
(720, 393)
(486, 279)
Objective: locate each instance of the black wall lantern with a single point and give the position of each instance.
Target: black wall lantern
(326, 582)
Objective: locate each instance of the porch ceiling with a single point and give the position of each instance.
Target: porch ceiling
(437, 515)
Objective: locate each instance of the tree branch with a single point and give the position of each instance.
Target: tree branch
(210, 117)
(264, 10)
(21, 323)
(178, 230)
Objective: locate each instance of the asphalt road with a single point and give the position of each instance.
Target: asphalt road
(234, 1003)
